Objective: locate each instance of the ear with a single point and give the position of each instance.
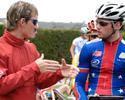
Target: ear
(21, 21)
(118, 25)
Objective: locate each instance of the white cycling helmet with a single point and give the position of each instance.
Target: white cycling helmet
(111, 11)
(84, 30)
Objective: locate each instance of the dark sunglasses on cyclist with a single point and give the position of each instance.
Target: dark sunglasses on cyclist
(93, 36)
(102, 23)
(34, 21)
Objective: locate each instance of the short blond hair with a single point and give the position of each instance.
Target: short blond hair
(18, 10)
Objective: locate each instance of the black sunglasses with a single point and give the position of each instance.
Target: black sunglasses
(93, 36)
(34, 21)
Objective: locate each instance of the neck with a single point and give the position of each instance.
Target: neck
(17, 34)
(83, 36)
(114, 37)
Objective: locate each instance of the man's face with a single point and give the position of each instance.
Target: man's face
(30, 28)
(104, 28)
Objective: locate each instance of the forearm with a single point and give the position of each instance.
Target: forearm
(72, 50)
(47, 79)
(80, 92)
(80, 84)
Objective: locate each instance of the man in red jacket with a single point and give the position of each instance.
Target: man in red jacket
(22, 70)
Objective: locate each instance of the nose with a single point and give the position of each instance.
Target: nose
(37, 26)
(97, 26)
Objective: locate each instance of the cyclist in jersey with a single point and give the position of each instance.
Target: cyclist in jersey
(78, 42)
(103, 60)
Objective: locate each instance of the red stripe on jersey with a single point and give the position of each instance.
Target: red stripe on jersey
(77, 95)
(104, 85)
(84, 70)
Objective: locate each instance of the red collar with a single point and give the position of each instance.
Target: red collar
(12, 39)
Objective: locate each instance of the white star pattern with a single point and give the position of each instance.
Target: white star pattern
(121, 90)
(93, 74)
(89, 89)
(120, 77)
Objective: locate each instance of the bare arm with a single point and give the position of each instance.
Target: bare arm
(72, 48)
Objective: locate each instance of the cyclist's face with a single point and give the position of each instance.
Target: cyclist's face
(104, 28)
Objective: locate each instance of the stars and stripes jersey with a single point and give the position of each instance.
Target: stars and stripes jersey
(104, 64)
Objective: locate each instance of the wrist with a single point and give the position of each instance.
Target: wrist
(59, 73)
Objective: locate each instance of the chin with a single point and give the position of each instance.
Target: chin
(33, 36)
(30, 37)
(100, 36)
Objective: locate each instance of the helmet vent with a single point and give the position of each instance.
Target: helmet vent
(112, 14)
(107, 9)
(99, 9)
(122, 14)
(121, 6)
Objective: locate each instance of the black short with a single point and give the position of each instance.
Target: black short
(106, 98)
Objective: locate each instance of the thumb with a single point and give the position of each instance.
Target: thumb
(63, 62)
(89, 26)
(92, 24)
(42, 56)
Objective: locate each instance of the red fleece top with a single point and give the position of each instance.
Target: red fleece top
(19, 75)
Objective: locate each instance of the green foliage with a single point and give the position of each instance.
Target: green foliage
(123, 34)
(1, 28)
(55, 44)
(123, 30)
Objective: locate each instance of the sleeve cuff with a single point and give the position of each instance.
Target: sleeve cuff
(59, 73)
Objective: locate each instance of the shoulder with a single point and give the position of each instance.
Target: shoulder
(123, 41)
(92, 45)
(94, 41)
(122, 44)
(76, 39)
(4, 44)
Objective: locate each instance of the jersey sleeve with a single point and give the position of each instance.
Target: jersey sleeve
(80, 81)
(10, 82)
(48, 79)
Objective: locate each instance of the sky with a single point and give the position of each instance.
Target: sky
(61, 10)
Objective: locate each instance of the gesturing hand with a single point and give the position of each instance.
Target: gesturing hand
(47, 65)
(68, 70)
